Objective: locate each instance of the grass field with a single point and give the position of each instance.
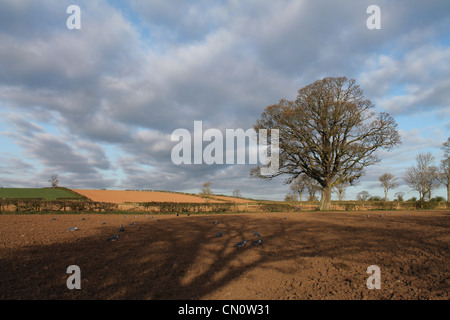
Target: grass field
(37, 193)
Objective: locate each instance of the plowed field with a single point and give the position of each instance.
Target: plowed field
(302, 256)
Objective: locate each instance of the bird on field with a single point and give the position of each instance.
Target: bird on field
(256, 234)
(240, 244)
(114, 238)
(54, 218)
(83, 218)
(104, 222)
(133, 224)
(216, 222)
(121, 228)
(73, 229)
(219, 234)
(157, 220)
(177, 214)
(257, 242)
(188, 214)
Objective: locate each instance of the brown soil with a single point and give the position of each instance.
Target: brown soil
(307, 256)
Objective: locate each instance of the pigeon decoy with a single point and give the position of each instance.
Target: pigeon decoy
(114, 238)
(240, 244)
(73, 229)
(257, 234)
(257, 242)
(121, 228)
(219, 234)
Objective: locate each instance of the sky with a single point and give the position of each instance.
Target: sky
(96, 106)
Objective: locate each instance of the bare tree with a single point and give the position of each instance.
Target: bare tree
(423, 177)
(387, 182)
(313, 187)
(291, 197)
(237, 193)
(363, 196)
(340, 189)
(444, 168)
(329, 133)
(54, 181)
(298, 185)
(206, 189)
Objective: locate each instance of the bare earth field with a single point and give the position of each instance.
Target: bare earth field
(306, 256)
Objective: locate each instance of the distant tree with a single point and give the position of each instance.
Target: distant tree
(330, 132)
(206, 189)
(375, 198)
(387, 182)
(291, 197)
(237, 193)
(313, 187)
(341, 188)
(423, 177)
(363, 196)
(444, 168)
(399, 196)
(298, 185)
(54, 181)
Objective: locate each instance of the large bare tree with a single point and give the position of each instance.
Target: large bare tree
(330, 133)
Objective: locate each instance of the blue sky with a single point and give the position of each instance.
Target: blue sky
(97, 106)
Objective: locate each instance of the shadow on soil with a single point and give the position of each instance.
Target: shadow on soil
(181, 258)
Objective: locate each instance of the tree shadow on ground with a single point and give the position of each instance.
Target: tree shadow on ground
(181, 258)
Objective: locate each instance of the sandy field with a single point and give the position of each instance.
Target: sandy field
(119, 196)
(302, 256)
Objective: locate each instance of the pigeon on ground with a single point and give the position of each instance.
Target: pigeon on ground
(257, 234)
(133, 224)
(104, 222)
(188, 214)
(240, 244)
(114, 238)
(219, 234)
(54, 218)
(216, 222)
(177, 214)
(257, 242)
(368, 216)
(157, 220)
(73, 229)
(121, 228)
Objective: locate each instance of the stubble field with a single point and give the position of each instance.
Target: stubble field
(303, 255)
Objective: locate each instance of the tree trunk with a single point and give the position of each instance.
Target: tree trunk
(325, 201)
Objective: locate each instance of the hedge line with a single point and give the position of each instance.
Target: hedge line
(27, 205)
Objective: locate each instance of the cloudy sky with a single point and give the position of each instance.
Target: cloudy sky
(97, 106)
